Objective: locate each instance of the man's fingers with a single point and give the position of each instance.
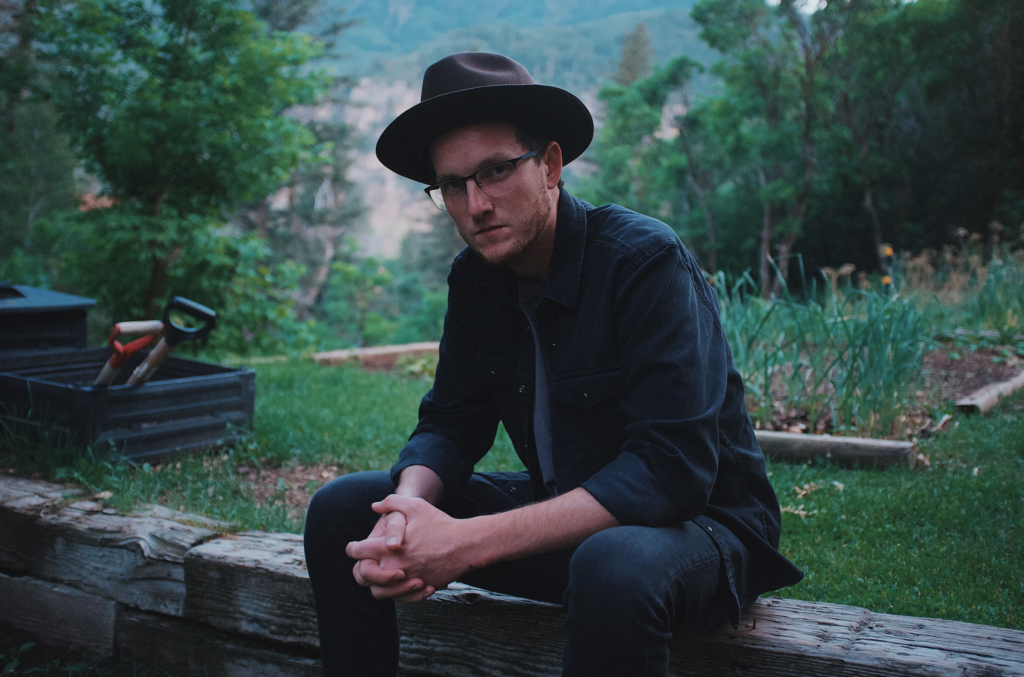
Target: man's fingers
(398, 590)
(396, 503)
(368, 572)
(394, 530)
(371, 548)
(417, 595)
(378, 528)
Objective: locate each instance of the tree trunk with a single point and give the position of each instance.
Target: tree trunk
(784, 249)
(323, 271)
(876, 226)
(767, 232)
(709, 223)
(157, 286)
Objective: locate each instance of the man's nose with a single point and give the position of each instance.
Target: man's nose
(477, 201)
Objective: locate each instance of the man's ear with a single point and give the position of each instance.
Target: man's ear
(552, 159)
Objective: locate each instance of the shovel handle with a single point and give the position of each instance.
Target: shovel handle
(149, 365)
(175, 334)
(140, 327)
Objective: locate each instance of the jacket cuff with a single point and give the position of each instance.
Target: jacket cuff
(629, 491)
(437, 453)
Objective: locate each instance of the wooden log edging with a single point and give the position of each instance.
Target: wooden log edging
(58, 614)
(988, 397)
(843, 450)
(253, 583)
(248, 611)
(378, 357)
(53, 535)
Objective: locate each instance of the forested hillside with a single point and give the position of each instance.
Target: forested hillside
(568, 44)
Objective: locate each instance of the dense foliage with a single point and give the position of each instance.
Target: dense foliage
(832, 133)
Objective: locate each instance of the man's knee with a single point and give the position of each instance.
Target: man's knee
(607, 571)
(342, 507)
(651, 575)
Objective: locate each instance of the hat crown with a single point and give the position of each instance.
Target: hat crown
(468, 70)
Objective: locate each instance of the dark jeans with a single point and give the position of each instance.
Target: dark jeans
(627, 590)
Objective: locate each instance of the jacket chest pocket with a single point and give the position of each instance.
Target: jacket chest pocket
(587, 419)
(588, 391)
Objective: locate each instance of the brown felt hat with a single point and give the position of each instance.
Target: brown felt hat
(470, 87)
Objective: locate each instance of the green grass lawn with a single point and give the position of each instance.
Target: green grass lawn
(942, 542)
(945, 542)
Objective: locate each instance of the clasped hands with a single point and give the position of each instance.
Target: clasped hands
(414, 550)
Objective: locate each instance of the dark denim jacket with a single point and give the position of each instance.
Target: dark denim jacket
(647, 406)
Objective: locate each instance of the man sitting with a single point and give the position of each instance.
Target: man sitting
(591, 334)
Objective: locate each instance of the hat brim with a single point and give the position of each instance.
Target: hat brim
(403, 147)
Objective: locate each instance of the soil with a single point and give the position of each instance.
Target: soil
(300, 483)
(957, 377)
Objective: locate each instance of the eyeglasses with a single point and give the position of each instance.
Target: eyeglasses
(494, 180)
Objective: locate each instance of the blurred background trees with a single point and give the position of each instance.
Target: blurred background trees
(159, 147)
(835, 129)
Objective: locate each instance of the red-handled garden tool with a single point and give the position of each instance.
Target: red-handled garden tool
(121, 351)
(173, 335)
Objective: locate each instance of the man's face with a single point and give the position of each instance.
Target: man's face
(503, 230)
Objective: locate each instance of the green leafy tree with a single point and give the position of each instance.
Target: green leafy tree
(358, 302)
(177, 105)
(637, 56)
(637, 167)
(36, 161)
(870, 69)
(321, 211)
(773, 93)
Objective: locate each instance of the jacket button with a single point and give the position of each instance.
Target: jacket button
(522, 389)
(584, 397)
(492, 373)
(511, 490)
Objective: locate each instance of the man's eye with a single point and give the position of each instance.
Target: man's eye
(453, 187)
(496, 172)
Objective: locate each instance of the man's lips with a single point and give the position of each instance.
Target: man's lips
(488, 229)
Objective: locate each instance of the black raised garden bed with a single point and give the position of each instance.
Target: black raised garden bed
(188, 405)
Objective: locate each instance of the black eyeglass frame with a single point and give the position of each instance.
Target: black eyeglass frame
(513, 161)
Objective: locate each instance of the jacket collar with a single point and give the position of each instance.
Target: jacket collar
(563, 280)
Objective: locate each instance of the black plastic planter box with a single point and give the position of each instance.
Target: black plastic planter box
(188, 405)
(39, 319)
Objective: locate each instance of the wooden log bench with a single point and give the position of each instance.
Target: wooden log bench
(241, 605)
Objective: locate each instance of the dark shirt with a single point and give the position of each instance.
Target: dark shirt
(530, 296)
(647, 409)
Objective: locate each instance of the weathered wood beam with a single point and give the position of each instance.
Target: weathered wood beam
(986, 398)
(137, 559)
(58, 614)
(843, 450)
(179, 647)
(466, 632)
(254, 587)
(257, 584)
(253, 583)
